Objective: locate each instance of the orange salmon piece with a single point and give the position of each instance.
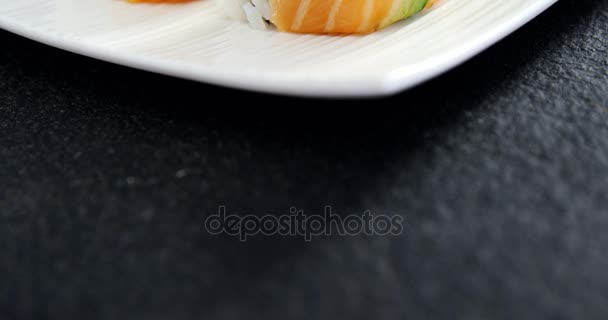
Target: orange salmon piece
(316, 18)
(284, 13)
(329, 16)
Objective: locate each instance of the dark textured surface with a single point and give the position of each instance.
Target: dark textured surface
(500, 168)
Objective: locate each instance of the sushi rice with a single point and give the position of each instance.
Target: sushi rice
(256, 12)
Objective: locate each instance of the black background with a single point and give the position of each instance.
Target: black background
(499, 167)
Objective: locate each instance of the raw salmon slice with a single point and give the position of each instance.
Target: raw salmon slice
(341, 16)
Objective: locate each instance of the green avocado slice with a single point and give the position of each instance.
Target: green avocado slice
(404, 11)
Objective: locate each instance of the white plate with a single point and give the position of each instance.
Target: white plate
(193, 41)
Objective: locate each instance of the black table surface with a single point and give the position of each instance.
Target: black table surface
(500, 169)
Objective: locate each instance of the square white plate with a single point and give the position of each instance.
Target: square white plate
(194, 41)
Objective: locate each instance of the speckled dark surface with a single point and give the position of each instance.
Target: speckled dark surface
(500, 168)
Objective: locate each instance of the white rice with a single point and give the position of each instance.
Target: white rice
(254, 16)
(264, 7)
(256, 12)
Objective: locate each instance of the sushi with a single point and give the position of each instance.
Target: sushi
(325, 16)
(319, 16)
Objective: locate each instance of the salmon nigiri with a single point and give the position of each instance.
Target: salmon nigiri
(331, 16)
